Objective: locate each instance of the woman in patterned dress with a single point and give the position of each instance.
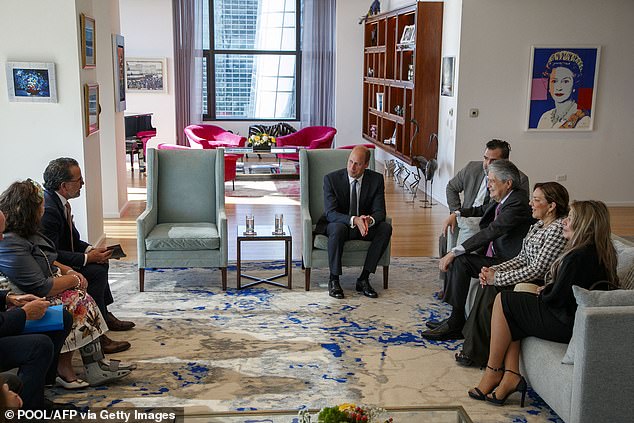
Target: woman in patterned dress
(28, 260)
(542, 245)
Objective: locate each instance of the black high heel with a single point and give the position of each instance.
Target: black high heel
(522, 387)
(478, 394)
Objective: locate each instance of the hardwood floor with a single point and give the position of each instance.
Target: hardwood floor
(416, 229)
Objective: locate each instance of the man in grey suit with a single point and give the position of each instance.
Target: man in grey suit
(503, 225)
(354, 203)
(471, 181)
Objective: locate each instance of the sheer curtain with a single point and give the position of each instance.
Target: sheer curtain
(188, 59)
(318, 63)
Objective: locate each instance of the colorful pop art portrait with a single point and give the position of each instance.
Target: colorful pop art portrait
(562, 88)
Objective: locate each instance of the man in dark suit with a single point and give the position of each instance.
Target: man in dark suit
(35, 355)
(354, 203)
(63, 181)
(503, 225)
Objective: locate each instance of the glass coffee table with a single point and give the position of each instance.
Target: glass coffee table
(438, 414)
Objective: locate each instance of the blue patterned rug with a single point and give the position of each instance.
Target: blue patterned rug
(273, 348)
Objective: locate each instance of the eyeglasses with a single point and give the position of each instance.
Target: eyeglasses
(80, 179)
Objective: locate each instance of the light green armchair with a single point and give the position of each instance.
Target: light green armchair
(313, 166)
(184, 223)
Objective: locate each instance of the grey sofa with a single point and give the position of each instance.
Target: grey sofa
(598, 387)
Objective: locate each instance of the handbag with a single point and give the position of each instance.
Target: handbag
(52, 320)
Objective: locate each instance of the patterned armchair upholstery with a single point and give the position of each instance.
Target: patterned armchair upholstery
(184, 223)
(276, 130)
(313, 166)
(311, 137)
(211, 136)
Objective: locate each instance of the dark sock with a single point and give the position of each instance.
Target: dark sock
(334, 277)
(456, 320)
(364, 275)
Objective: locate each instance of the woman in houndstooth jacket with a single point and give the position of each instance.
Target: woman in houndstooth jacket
(541, 246)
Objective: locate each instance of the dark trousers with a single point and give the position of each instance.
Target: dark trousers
(35, 355)
(459, 276)
(98, 286)
(338, 234)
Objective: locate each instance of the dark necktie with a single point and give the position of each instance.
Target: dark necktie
(69, 220)
(490, 250)
(353, 199)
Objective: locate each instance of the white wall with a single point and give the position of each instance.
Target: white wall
(31, 134)
(495, 48)
(148, 31)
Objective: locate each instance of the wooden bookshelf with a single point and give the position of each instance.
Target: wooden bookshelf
(406, 76)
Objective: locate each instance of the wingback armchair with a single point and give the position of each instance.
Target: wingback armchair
(211, 136)
(313, 166)
(184, 223)
(311, 137)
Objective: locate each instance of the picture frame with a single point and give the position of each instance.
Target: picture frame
(91, 108)
(88, 42)
(447, 84)
(562, 88)
(146, 75)
(118, 61)
(409, 34)
(31, 82)
(379, 101)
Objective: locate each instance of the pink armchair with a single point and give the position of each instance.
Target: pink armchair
(230, 161)
(212, 136)
(311, 137)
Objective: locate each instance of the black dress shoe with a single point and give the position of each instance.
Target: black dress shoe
(443, 333)
(464, 360)
(363, 285)
(433, 324)
(334, 290)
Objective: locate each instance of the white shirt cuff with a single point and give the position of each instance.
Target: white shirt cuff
(352, 221)
(458, 250)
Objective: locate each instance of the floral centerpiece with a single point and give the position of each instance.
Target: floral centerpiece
(261, 141)
(346, 413)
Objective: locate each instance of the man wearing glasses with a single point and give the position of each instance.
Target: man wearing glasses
(63, 181)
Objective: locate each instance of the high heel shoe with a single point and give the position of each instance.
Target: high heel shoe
(522, 387)
(478, 394)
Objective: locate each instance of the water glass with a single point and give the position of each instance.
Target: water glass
(279, 223)
(250, 224)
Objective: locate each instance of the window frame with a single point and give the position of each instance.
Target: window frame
(210, 59)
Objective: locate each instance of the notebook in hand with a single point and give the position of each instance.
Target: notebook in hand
(117, 251)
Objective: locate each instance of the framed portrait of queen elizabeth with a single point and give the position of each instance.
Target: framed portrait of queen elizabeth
(562, 88)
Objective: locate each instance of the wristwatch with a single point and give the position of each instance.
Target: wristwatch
(457, 213)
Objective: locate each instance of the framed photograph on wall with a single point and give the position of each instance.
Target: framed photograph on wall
(118, 61)
(409, 33)
(91, 108)
(446, 88)
(31, 82)
(88, 43)
(146, 75)
(562, 88)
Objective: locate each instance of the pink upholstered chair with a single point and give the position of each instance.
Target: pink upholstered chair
(311, 137)
(351, 146)
(230, 161)
(212, 136)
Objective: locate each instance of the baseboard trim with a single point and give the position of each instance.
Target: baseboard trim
(118, 215)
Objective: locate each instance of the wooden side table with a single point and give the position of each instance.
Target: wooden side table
(265, 233)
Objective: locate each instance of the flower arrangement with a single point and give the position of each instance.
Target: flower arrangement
(346, 413)
(261, 141)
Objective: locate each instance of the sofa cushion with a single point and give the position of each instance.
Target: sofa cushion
(585, 298)
(625, 255)
(183, 236)
(627, 282)
(321, 243)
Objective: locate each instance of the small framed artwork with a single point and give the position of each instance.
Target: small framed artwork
(118, 60)
(409, 33)
(562, 88)
(91, 108)
(446, 87)
(146, 75)
(31, 82)
(88, 47)
(379, 101)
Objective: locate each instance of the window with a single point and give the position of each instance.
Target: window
(252, 59)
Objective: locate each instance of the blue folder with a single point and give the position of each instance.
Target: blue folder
(52, 320)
